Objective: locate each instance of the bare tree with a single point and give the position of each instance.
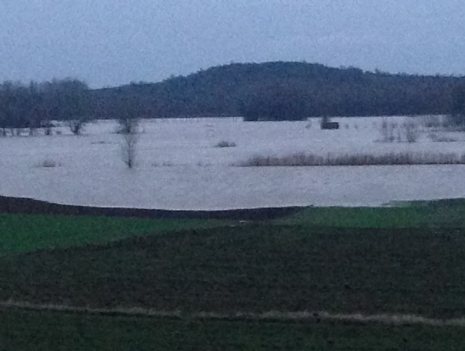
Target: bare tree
(128, 128)
(411, 131)
(387, 130)
(75, 95)
(131, 111)
(76, 125)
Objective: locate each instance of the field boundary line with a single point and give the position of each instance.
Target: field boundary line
(303, 316)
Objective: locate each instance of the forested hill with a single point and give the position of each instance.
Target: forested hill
(236, 89)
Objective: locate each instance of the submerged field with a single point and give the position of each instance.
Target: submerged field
(180, 166)
(400, 261)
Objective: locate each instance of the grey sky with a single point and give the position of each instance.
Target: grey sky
(113, 42)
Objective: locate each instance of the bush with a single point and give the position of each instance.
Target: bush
(441, 138)
(76, 126)
(225, 143)
(49, 163)
(433, 122)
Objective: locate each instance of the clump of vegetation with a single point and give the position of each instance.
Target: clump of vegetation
(225, 143)
(49, 163)
(410, 131)
(433, 122)
(387, 131)
(163, 164)
(203, 164)
(76, 126)
(47, 126)
(407, 131)
(401, 158)
(441, 138)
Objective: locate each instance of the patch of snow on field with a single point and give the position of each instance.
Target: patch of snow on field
(179, 167)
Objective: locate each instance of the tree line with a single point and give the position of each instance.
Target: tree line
(266, 91)
(35, 105)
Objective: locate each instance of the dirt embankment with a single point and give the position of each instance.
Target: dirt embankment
(32, 206)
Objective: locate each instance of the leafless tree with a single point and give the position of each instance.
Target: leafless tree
(129, 129)
(130, 112)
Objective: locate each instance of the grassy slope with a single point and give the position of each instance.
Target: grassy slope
(24, 331)
(25, 232)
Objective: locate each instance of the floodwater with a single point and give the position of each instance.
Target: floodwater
(179, 167)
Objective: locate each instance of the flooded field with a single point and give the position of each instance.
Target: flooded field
(179, 166)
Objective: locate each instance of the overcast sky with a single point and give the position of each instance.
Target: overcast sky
(113, 42)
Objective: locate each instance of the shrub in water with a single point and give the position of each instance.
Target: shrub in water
(225, 143)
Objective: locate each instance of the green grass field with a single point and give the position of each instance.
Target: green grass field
(26, 232)
(404, 260)
(416, 214)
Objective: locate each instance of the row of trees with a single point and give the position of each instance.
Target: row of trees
(35, 105)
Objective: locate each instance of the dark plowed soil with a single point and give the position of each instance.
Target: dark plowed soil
(254, 268)
(31, 206)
